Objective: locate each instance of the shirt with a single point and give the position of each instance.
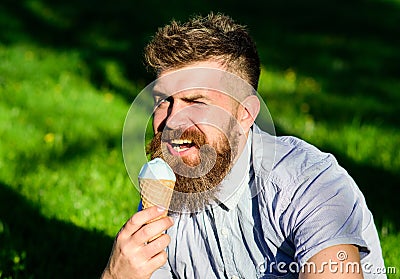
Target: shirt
(282, 202)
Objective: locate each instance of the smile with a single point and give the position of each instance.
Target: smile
(180, 146)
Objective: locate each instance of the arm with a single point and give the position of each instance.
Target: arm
(131, 256)
(339, 261)
(327, 212)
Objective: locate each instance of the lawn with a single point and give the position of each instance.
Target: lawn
(64, 190)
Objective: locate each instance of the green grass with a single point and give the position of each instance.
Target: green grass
(300, 104)
(61, 139)
(60, 148)
(67, 79)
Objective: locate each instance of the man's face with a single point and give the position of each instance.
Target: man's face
(180, 107)
(192, 118)
(196, 130)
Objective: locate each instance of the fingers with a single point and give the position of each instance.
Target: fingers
(138, 220)
(151, 230)
(158, 260)
(152, 249)
(147, 256)
(132, 255)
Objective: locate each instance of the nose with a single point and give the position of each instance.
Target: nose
(178, 116)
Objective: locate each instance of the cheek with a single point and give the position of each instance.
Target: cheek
(159, 118)
(218, 119)
(214, 134)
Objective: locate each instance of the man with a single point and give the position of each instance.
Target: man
(247, 204)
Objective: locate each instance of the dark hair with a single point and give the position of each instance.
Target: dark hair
(214, 37)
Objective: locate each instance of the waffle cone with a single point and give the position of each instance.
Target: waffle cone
(156, 192)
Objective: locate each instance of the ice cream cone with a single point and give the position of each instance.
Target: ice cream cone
(156, 192)
(156, 181)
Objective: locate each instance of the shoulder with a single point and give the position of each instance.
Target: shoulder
(291, 172)
(287, 160)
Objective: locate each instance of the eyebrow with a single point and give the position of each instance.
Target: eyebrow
(190, 97)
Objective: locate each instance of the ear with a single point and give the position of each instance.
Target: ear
(248, 111)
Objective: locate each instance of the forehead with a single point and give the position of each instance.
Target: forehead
(188, 80)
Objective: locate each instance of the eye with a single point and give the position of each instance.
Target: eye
(197, 102)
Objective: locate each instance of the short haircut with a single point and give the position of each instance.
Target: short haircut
(213, 37)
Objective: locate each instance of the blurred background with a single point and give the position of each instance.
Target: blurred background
(69, 71)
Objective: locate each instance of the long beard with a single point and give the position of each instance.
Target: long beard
(197, 181)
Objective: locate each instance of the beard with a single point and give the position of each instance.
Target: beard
(197, 179)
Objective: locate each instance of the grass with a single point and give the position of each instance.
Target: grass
(60, 150)
(359, 140)
(55, 127)
(65, 91)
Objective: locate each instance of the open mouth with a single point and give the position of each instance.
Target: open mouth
(181, 145)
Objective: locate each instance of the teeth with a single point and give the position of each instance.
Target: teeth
(180, 141)
(177, 144)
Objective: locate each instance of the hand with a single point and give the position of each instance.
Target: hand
(132, 256)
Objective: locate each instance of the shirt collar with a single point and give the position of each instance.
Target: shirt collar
(234, 184)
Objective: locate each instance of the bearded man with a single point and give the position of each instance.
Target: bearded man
(246, 204)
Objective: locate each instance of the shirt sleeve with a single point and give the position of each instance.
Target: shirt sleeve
(326, 209)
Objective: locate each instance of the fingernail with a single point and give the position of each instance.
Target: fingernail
(160, 209)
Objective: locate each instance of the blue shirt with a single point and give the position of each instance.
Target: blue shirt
(282, 202)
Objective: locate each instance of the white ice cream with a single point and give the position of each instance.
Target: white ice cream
(157, 169)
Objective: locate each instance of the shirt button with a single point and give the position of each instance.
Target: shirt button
(234, 277)
(225, 232)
